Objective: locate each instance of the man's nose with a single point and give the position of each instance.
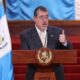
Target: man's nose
(44, 19)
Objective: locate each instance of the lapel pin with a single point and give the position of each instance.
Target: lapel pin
(52, 36)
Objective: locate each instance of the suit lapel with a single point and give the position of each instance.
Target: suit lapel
(50, 39)
(36, 38)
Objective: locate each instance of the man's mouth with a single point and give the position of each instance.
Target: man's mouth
(44, 24)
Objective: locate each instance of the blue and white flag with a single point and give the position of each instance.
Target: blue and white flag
(58, 9)
(6, 67)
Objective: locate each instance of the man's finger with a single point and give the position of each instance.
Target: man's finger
(63, 32)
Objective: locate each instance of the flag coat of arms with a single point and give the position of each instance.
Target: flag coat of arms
(6, 67)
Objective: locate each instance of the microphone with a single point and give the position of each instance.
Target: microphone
(46, 36)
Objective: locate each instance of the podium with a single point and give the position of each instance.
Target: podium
(29, 57)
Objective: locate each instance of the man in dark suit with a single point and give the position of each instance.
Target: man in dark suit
(42, 35)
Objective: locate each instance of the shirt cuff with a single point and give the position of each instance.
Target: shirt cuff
(65, 44)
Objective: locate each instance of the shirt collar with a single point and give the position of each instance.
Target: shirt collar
(38, 30)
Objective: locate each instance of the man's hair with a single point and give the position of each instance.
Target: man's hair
(39, 8)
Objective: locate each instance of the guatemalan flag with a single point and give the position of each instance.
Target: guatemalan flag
(58, 9)
(6, 67)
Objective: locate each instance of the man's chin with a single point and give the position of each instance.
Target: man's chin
(44, 28)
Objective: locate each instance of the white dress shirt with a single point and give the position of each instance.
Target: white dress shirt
(43, 37)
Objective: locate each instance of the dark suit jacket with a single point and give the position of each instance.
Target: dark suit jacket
(30, 39)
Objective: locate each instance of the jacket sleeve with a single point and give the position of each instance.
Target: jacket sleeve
(68, 46)
(24, 44)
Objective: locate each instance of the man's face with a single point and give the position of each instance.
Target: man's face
(41, 20)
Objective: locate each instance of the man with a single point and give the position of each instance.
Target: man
(42, 35)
